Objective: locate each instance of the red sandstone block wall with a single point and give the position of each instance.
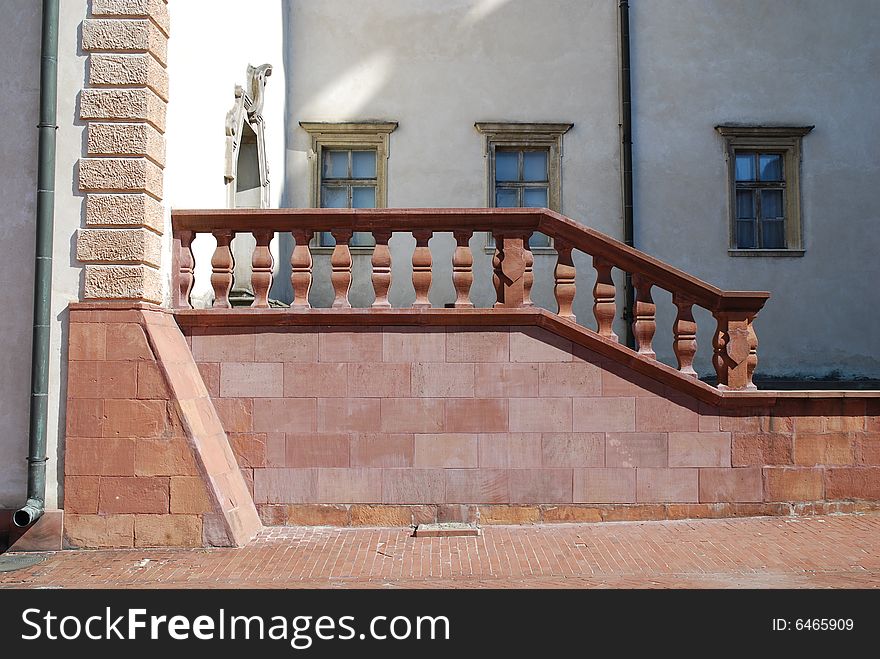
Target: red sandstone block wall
(336, 425)
(393, 426)
(127, 463)
(144, 466)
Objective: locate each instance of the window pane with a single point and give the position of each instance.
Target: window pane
(773, 234)
(363, 164)
(362, 239)
(534, 165)
(505, 198)
(745, 166)
(771, 166)
(363, 197)
(745, 234)
(334, 197)
(771, 204)
(745, 204)
(327, 239)
(535, 197)
(335, 164)
(507, 165)
(539, 240)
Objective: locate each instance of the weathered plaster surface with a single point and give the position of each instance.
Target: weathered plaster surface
(19, 105)
(699, 64)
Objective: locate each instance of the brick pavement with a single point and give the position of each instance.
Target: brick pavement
(833, 551)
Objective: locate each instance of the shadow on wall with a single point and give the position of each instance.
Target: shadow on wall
(19, 107)
(355, 86)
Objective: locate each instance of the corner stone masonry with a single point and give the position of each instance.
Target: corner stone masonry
(124, 105)
(147, 462)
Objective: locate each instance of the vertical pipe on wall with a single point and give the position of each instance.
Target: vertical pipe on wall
(626, 171)
(36, 487)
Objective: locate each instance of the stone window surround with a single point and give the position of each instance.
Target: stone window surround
(783, 139)
(515, 134)
(348, 135)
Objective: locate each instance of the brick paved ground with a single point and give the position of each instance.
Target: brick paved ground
(834, 551)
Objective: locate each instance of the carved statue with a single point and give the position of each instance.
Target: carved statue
(256, 85)
(248, 107)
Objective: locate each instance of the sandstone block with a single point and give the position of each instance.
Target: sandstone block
(111, 34)
(155, 10)
(120, 175)
(119, 246)
(114, 210)
(129, 282)
(99, 531)
(167, 531)
(128, 70)
(118, 139)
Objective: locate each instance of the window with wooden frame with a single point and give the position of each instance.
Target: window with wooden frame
(764, 183)
(524, 168)
(349, 170)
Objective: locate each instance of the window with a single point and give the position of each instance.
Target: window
(348, 180)
(760, 200)
(349, 167)
(521, 178)
(764, 167)
(524, 167)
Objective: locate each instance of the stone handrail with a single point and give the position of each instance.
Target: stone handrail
(734, 341)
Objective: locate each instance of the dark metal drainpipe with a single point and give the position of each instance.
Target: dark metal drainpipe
(626, 174)
(36, 487)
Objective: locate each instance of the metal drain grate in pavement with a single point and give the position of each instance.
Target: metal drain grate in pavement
(19, 561)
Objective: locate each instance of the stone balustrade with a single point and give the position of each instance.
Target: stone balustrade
(734, 341)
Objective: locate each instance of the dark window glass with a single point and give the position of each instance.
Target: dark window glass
(348, 180)
(760, 200)
(522, 181)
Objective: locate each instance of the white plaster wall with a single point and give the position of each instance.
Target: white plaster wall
(212, 42)
(436, 68)
(19, 106)
(697, 64)
(67, 272)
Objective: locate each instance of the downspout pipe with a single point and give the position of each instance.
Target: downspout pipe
(626, 169)
(39, 409)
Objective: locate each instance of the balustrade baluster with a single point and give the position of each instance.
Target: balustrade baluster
(565, 280)
(221, 268)
(644, 323)
(736, 346)
(684, 331)
(261, 263)
(604, 306)
(185, 262)
(421, 264)
(719, 343)
(381, 262)
(462, 270)
(340, 264)
(528, 275)
(753, 352)
(510, 270)
(497, 274)
(301, 269)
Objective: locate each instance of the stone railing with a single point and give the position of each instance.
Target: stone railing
(734, 341)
